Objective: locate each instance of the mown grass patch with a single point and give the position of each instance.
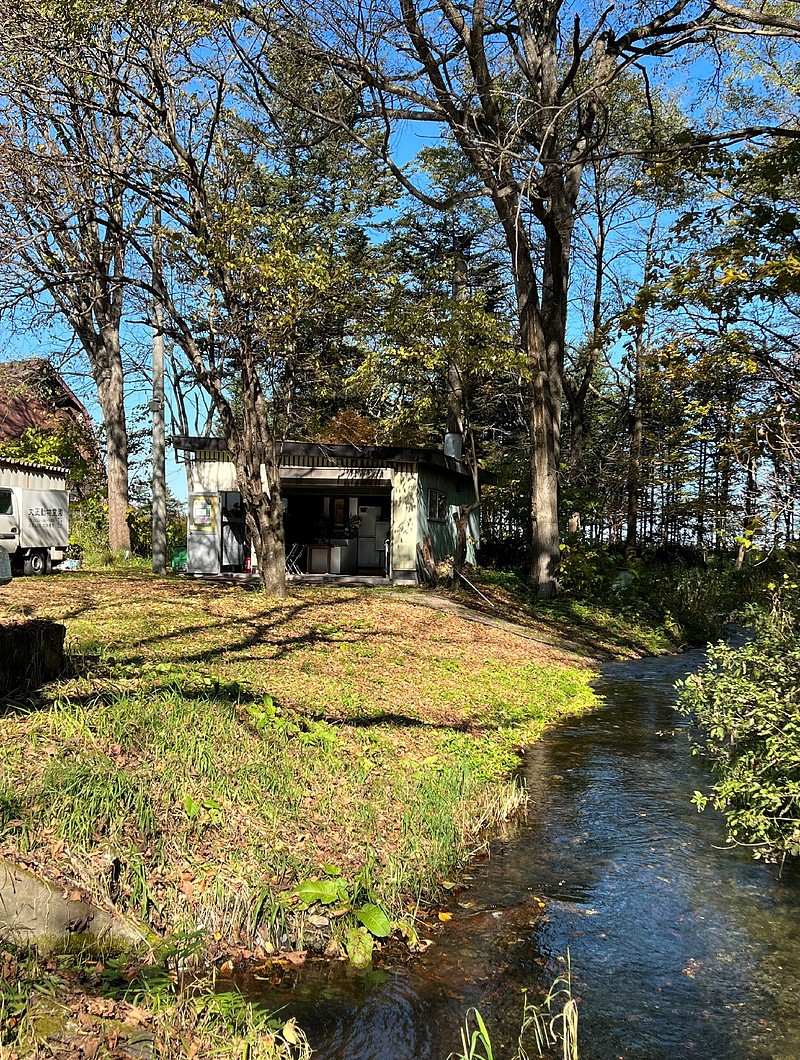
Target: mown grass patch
(214, 748)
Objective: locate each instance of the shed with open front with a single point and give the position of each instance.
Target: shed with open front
(348, 510)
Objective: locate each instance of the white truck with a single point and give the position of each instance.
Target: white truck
(34, 515)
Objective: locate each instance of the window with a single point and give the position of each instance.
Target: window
(338, 514)
(437, 505)
(6, 505)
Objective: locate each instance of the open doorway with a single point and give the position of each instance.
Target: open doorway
(334, 533)
(235, 553)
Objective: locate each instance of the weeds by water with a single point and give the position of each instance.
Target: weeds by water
(81, 1005)
(547, 1029)
(475, 1041)
(552, 1024)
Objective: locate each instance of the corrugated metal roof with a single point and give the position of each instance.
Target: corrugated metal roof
(31, 465)
(340, 455)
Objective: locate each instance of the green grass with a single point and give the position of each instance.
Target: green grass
(235, 790)
(46, 1003)
(213, 749)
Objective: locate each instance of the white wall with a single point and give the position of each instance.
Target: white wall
(405, 517)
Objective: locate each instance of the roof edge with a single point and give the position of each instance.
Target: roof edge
(386, 455)
(32, 465)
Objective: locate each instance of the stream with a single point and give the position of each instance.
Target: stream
(677, 944)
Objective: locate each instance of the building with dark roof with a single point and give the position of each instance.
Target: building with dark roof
(348, 510)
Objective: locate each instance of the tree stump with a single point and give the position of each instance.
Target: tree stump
(30, 654)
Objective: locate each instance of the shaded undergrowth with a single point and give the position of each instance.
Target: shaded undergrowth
(614, 606)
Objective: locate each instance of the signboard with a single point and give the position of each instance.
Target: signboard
(203, 514)
(44, 518)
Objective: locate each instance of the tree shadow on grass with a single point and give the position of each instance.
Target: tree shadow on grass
(259, 631)
(604, 641)
(561, 624)
(391, 719)
(398, 721)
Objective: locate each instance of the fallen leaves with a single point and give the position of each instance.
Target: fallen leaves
(186, 886)
(292, 958)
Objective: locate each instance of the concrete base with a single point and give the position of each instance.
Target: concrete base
(36, 913)
(405, 576)
(352, 580)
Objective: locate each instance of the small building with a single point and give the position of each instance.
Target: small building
(39, 411)
(33, 396)
(348, 510)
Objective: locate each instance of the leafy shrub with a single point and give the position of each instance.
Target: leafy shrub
(88, 525)
(586, 570)
(693, 600)
(700, 600)
(88, 535)
(140, 522)
(748, 701)
(61, 443)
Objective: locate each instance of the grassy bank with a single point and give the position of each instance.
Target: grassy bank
(85, 1009)
(281, 776)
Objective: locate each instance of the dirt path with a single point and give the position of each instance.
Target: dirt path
(504, 625)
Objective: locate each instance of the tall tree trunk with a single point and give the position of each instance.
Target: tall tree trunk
(702, 463)
(749, 522)
(264, 511)
(254, 447)
(545, 336)
(542, 330)
(109, 379)
(251, 442)
(723, 457)
(456, 423)
(577, 388)
(545, 457)
(635, 455)
(456, 414)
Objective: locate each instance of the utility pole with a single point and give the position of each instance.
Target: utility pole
(157, 408)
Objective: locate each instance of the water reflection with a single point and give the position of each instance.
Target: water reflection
(678, 945)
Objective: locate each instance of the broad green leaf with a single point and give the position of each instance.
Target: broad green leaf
(374, 920)
(359, 945)
(326, 892)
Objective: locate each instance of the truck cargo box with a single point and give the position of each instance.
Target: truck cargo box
(44, 517)
(34, 515)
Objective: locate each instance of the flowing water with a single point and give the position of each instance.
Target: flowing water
(678, 946)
